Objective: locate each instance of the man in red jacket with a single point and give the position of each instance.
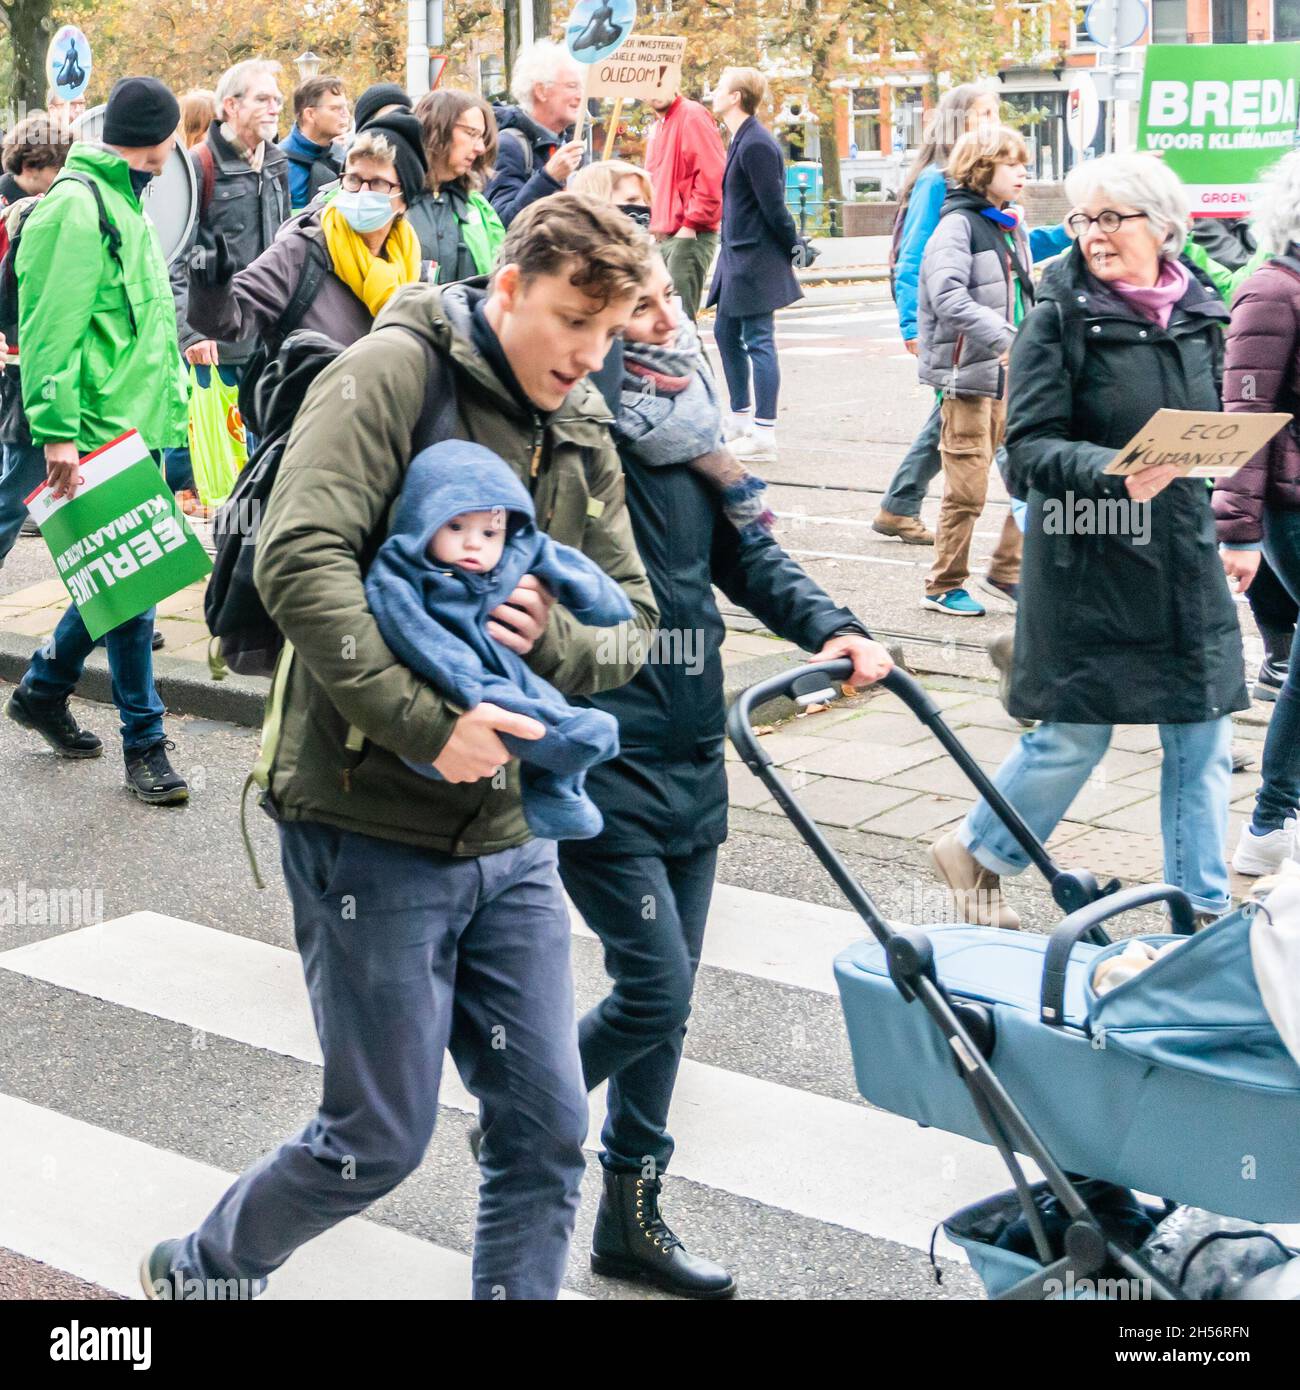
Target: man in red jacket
(685, 159)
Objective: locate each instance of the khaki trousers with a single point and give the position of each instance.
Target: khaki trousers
(970, 431)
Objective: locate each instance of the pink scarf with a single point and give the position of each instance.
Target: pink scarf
(1156, 302)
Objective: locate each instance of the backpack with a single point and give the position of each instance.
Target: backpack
(9, 267)
(895, 243)
(311, 276)
(524, 143)
(250, 642)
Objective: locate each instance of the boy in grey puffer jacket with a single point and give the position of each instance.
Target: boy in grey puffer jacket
(975, 289)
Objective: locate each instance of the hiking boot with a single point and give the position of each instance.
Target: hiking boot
(55, 724)
(908, 529)
(163, 1284)
(632, 1241)
(1000, 589)
(151, 777)
(977, 891)
(957, 602)
(1277, 659)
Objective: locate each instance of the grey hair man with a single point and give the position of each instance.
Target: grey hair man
(243, 181)
(534, 157)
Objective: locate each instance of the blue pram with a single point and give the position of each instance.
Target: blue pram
(1175, 1082)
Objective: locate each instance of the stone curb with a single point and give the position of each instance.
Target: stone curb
(184, 686)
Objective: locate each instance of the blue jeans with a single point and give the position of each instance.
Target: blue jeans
(744, 343)
(1279, 791)
(1050, 765)
(921, 465)
(24, 472)
(56, 668)
(406, 953)
(634, 1036)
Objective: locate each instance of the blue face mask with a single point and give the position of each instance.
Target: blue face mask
(364, 211)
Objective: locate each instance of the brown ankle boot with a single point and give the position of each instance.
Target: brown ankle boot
(909, 529)
(976, 890)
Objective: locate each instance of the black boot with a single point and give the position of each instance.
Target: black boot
(1273, 669)
(631, 1241)
(55, 725)
(151, 777)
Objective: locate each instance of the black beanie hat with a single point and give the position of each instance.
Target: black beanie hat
(374, 99)
(141, 111)
(404, 132)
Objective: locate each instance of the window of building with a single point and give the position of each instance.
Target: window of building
(1169, 21)
(1229, 20)
(907, 109)
(864, 120)
(1286, 20)
(1031, 27)
(492, 75)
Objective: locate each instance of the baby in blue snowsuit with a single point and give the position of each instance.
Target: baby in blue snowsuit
(463, 536)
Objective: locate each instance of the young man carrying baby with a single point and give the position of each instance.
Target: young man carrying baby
(425, 914)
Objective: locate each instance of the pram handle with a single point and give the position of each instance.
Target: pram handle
(1087, 922)
(1070, 888)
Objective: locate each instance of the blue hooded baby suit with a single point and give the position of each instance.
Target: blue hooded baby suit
(434, 617)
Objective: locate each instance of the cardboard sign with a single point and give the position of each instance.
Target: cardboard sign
(647, 65)
(1220, 114)
(120, 543)
(1199, 443)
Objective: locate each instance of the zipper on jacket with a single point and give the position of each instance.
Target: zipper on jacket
(539, 437)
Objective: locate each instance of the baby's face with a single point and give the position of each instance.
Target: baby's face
(471, 541)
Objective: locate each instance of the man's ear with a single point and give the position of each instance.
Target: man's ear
(506, 286)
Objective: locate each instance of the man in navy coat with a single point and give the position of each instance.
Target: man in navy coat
(755, 271)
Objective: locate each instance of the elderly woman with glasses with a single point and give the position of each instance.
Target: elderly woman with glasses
(1125, 616)
(459, 230)
(347, 253)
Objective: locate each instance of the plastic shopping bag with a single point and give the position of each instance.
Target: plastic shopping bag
(217, 449)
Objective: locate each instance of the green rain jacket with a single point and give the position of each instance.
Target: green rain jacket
(86, 376)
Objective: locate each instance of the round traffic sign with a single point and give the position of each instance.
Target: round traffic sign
(1115, 23)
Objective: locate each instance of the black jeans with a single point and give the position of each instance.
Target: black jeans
(649, 914)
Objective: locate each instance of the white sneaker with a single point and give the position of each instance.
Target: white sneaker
(738, 429)
(750, 448)
(1263, 854)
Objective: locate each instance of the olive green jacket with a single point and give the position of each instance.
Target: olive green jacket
(340, 476)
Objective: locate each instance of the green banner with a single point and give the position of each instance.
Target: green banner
(1221, 114)
(120, 543)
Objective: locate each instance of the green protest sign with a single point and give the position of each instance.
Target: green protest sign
(121, 543)
(1221, 114)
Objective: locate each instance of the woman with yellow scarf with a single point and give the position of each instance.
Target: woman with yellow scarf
(352, 251)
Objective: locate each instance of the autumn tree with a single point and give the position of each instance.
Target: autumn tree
(28, 26)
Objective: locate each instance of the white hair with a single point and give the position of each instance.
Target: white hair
(538, 64)
(237, 80)
(1276, 218)
(1142, 181)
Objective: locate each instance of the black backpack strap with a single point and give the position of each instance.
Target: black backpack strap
(111, 235)
(311, 276)
(440, 408)
(1071, 341)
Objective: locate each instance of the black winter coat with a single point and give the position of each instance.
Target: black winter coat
(248, 205)
(1110, 630)
(755, 270)
(520, 177)
(666, 792)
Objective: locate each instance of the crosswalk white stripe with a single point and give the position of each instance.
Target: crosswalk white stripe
(820, 1158)
(91, 1202)
(786, 940)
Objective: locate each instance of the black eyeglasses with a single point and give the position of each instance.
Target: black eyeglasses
(354, 184)
(1107, 220)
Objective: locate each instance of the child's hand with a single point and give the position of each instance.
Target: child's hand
(522, 618)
